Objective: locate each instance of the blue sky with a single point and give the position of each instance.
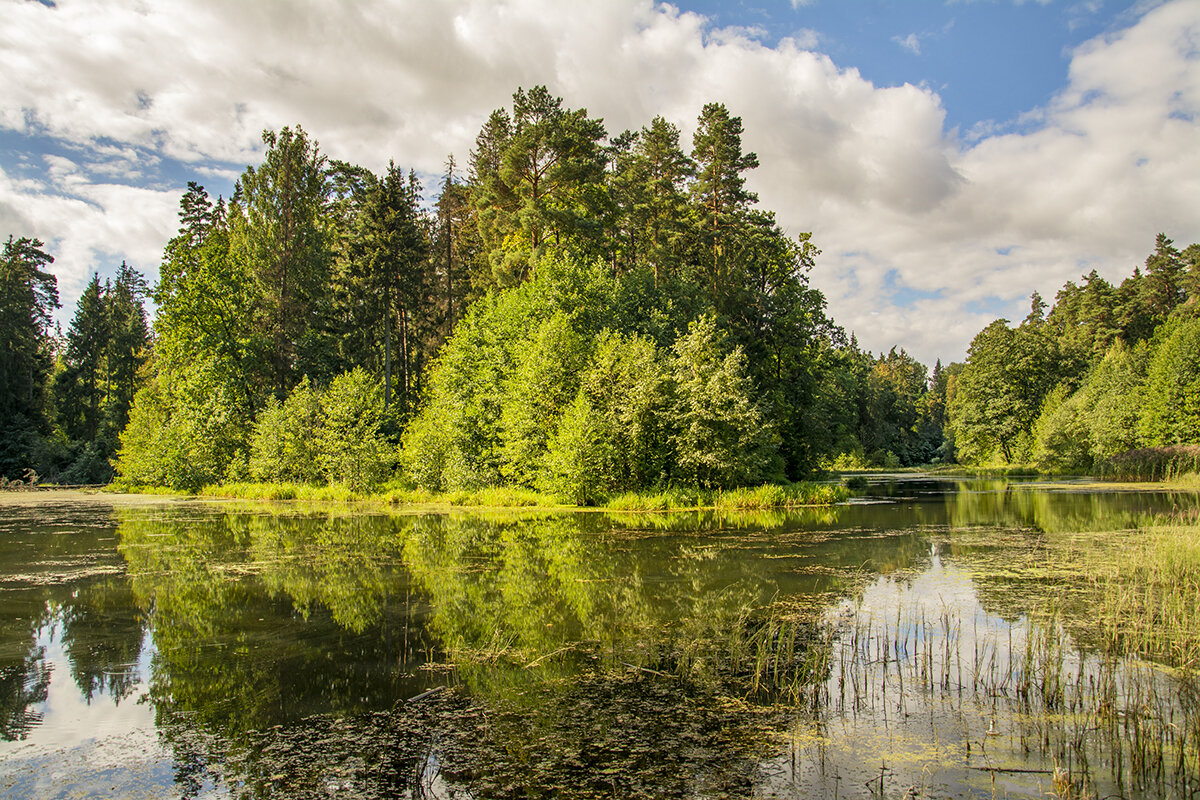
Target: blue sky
(989, 60)
(948, 158)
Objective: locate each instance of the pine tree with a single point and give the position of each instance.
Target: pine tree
(720, 189)
(80, 388)
(28, 296)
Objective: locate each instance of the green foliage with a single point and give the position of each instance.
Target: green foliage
(630, 391)
(456, 440)
(544, 379)
(723, 437)
(1172, 397)
(180, 442)
(1001, 390)
(504, 400)
(107, 344)
(382, 281)
(350, 440)
(28, 296)
(284, 446)
(1062, 433)
(1115, 389)
(579, 458)
(337, 436)
(278, 237)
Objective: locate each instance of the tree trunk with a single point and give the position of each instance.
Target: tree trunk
(387, 358)
(404, 356)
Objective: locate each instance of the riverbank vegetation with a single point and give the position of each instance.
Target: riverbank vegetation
(767, 496)
(576, 314)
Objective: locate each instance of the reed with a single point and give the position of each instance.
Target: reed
(1096, 718)
(751, 498)
(1153, 463)
(1149, 590)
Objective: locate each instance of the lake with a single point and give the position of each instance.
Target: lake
(931, 638)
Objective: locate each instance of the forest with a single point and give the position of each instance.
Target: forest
(574, 312)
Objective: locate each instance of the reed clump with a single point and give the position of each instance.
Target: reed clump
(1153, 463)
(1150, 592)
(750, 498)
(335, 492)
(1098, 723)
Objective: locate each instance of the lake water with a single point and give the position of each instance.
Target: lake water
(928, 639)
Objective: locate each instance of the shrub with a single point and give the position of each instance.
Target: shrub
(284, 445)
(352, 448)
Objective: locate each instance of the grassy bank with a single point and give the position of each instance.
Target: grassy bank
(769, 496)
(793, 495)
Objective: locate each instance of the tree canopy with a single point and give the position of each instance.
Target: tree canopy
(580, 312)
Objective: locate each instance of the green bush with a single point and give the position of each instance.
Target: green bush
(353, 450)
(579, 457)
(723, 437)
(284, 445)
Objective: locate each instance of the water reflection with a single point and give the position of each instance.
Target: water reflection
(579, 655)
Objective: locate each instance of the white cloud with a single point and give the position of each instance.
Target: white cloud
(870, 170)
(911, 43)
(86, 224)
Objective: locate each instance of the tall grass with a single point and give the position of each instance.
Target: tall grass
(1153, 463)
(1150, 589)
(771, 495)
(334, 492)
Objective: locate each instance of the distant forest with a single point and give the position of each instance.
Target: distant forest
(578, 313)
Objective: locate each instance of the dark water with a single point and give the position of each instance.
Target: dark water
(190, 649)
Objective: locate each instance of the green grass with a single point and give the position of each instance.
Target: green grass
(489, 497)
(1150, 585)
(771, 495)
(336, 492)
(768, 496)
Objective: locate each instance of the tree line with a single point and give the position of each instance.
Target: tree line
(1107, 370)
(574, 311)
(64, 400)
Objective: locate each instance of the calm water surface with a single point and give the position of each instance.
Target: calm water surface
(886, 647)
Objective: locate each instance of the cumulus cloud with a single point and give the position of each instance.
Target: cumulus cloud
(85, 224)
(925, 236)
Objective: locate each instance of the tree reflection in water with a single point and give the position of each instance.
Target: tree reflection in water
(301, 652)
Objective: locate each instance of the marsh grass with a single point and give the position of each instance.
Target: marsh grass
(1153, 463)
(767, 496)
(1149, 590)
(336, 492)
(1029, 699)
(488, 497)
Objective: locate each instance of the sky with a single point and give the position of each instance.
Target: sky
(949, 158)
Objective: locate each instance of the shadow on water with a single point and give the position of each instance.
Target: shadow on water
(930, 639)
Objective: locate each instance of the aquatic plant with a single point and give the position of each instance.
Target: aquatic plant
(1153, 463)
